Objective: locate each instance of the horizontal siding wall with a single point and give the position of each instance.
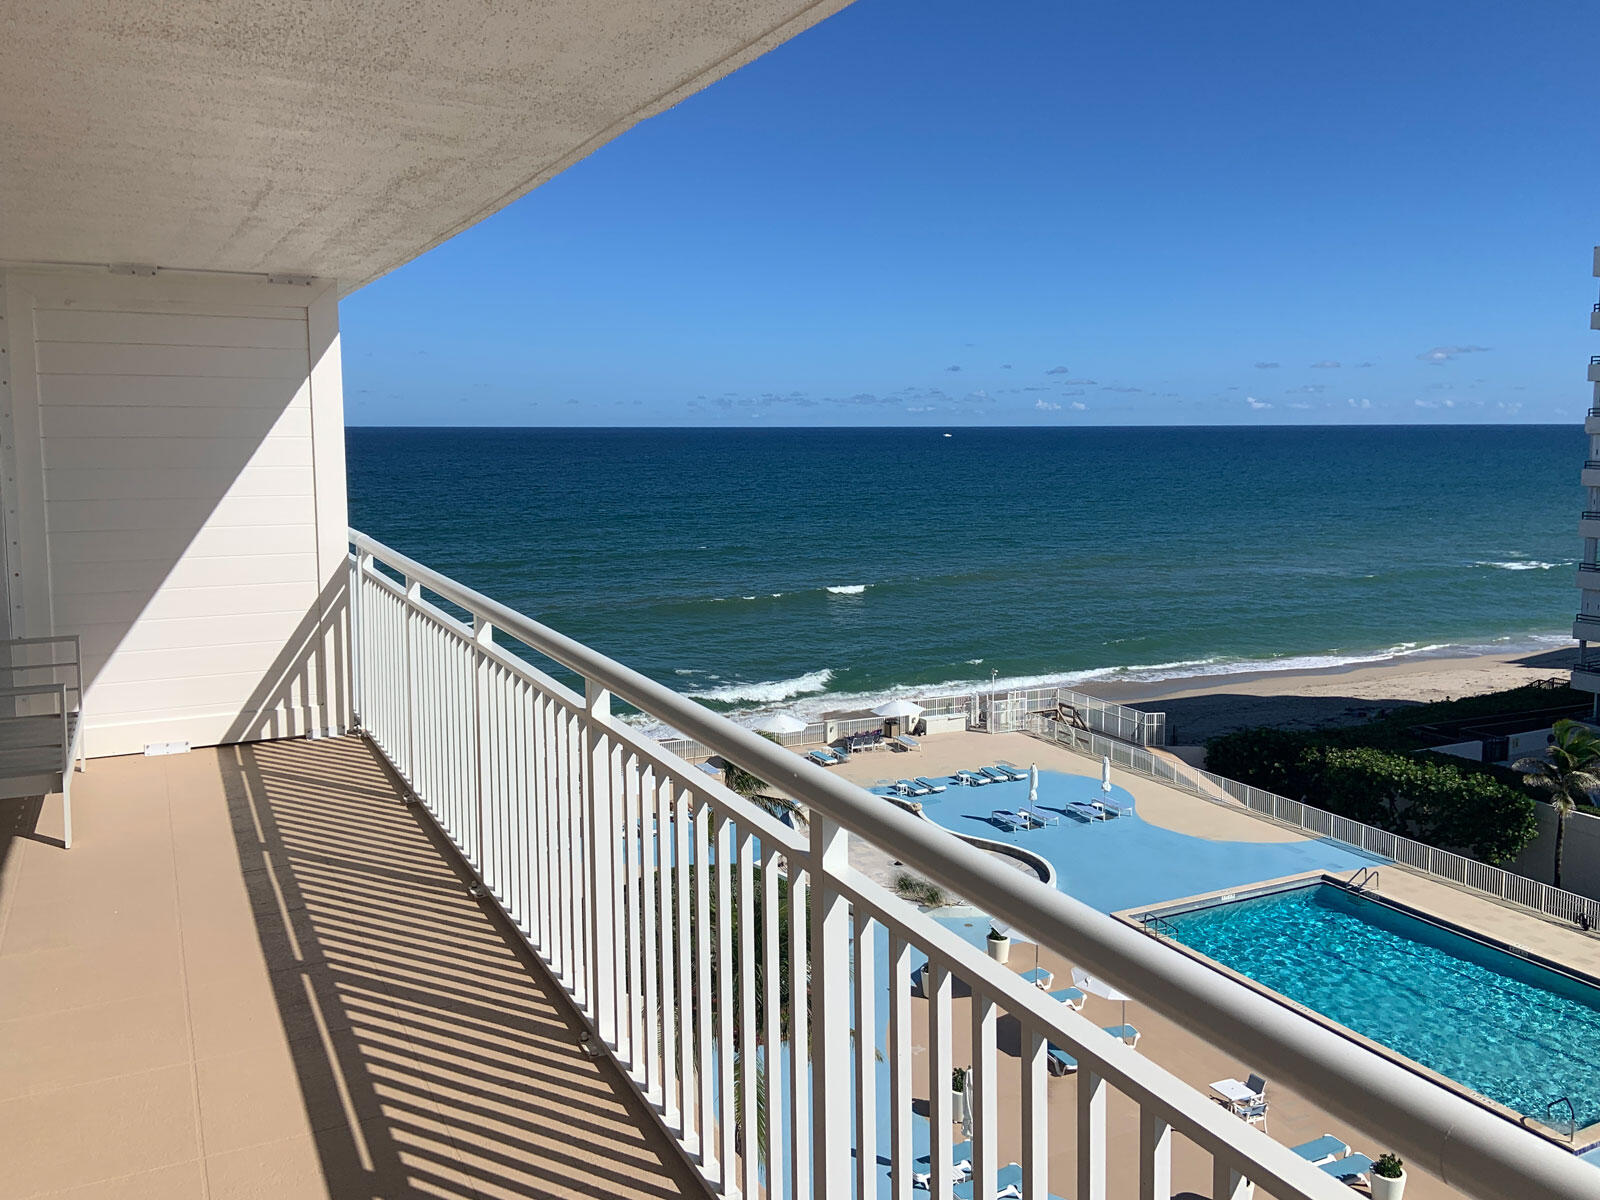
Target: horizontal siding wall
(178, 436)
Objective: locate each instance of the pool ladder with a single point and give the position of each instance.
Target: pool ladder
(1364, 876)
(1156, 925)
(1572, 1116)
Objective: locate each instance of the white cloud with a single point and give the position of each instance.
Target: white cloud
(1046, 406)
(1325, 364)
(1362, 403)
(1434, 403)
(1441, 354)
(1255, 404)
(1080, 406)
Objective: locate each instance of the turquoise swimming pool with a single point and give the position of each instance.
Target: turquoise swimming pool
(1507, 1028)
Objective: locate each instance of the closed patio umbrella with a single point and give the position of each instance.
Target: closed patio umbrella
(1033, 785)
(1105, 773)
(1096, 986)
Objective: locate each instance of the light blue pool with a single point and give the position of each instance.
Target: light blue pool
(1517, 1032)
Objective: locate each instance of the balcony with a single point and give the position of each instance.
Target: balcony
(1594, 368)
(1590, 476)
(262, 974)
(1594, 318)
(261, 968)
(1589, 524)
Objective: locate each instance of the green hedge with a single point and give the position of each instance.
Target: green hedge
(1427, 797)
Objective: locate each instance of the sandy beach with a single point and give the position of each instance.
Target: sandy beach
(1198, 709)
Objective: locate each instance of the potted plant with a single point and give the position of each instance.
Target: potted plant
(1388, 1178)
(999, 945)
(958, 1089)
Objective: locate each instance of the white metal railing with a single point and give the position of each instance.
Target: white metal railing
(1430, 860)
(620, 864)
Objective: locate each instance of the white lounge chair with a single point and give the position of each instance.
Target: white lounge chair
(41, 720)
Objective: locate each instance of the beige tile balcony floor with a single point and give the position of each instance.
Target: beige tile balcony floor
(258, 974)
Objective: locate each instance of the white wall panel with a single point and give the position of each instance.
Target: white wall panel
(188, 519)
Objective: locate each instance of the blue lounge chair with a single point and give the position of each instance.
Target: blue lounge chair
(1072, 997)
(1015, 771)
(1351, 1168)
(821, 758)
(930, 784)
(905, 742)
(1086, 812)
(1007, 1184)
(1059, 1062)
(908, 788)
(1011, 819)
(1039, 977)
(996, 774)
(1039, 818)
(1321, 1150)
(971, 780)
(1115, 808)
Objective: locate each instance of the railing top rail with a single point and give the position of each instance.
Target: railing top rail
(1456, 1140)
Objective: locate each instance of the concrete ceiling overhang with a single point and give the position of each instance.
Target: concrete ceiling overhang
(331, 139)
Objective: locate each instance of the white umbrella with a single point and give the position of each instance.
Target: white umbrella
(1099, 987)
(1033, 784)
(898, 708)
(1105, 773)
(778, 723)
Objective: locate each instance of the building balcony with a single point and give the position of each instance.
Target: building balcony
(1594, 368)
(1590, 475)
(1594, 318)
(1589, 524)
(474, 951)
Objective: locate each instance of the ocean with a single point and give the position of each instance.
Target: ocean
(820, 569)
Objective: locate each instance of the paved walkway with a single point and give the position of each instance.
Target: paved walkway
(257, 974)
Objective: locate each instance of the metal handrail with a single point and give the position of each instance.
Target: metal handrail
(1465, 1145)
(1594, 360)
(1364, 876)
(1591, 464)
(1572, 1115)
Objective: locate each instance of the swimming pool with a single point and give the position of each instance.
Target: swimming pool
(1505, 1027)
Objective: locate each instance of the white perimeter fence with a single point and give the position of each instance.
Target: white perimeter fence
(1445, 865)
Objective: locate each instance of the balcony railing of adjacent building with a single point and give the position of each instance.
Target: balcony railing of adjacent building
(615, 858)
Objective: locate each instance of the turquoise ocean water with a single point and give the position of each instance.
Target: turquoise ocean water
(812, 570)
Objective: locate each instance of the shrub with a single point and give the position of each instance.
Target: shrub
(1432, 798)
(1388, 1166)
(920, 891)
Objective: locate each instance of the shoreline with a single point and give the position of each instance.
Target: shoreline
(1329, 696)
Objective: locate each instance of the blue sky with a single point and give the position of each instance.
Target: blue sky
(937, 213)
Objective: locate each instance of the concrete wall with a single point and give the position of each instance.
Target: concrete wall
(174, 446)
(1580, 860)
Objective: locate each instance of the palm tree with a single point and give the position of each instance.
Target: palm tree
(1569, 773)
(754, 789)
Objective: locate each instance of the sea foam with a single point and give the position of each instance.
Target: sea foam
(848, 589)
(770, 692)
(1524, 564)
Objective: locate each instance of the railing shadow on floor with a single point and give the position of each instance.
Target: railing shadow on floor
(434, 1054)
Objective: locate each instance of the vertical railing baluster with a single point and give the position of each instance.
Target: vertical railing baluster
(982, 1084)
(1035, 1113)
(899, 1051)
(941, 1069)
(413, 594)
(772, 996)
(482, 632)
(866, 1105)
(746, 927)
(1226, 1183)
(830, 983)
(666, 928)
(1091, 1136)
(685, 927)
(704, 1061)
(634, 834)
(800, 1078)
(647, 1030)
(1155, 1156)
(725, 981)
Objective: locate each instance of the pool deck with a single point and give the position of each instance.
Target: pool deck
(1174, 846)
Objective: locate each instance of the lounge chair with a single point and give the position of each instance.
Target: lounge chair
(1115, 808)
(1007, 1184)
(1085, 811)
(999, 776)
(971, 780)
(1128, 1033)
(930, 784)
(1015, 771)
(908, 788)
(906, 742)
(1039, 977)
(1039, 818)
(1059, 1062)
(1011, 819)
(822, 758)
(1072, 997)
(1321, 1150)
(1352, 1168)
